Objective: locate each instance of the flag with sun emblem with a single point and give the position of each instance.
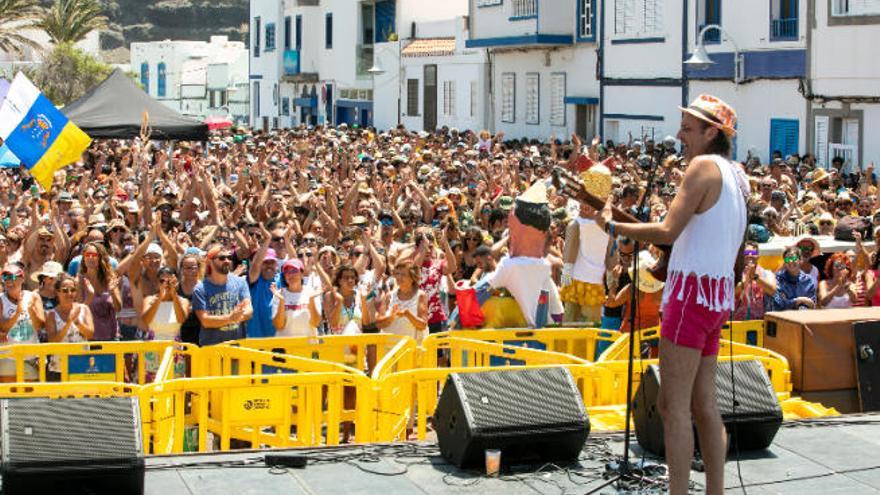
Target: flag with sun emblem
(38, 133)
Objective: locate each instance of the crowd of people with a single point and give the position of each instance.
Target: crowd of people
(350, 230)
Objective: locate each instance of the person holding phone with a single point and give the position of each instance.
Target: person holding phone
(838, 290)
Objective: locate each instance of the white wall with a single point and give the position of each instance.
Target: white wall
(871, 145)
(492, 22)
(419, 11)
(387, 89)
(844, 58)
(646, 60)
(556, 16)
(267, 67)
(450, 68)
(638, 101)
(579, 64)
(755, 105)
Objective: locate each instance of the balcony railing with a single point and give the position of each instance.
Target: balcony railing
(712, 36)
(784, 29)
(524, 8)
(364, 60)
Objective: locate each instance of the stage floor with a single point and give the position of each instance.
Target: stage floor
(832, 455)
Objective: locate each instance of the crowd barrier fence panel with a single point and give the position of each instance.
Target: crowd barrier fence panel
(260, 409)
(584, 343)
(93, 361)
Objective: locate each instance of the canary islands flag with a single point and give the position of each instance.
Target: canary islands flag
(37, 132)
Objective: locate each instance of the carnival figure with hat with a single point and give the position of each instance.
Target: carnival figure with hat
(521, 292)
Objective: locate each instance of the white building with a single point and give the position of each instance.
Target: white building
(645, 79)
(196, 78)
(844, 81)
(432, 81)
(310, 58)
(772, 39)
(543, 65)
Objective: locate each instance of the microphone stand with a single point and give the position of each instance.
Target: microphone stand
(624, 469)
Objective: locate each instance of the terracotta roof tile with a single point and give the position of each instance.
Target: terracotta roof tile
(429, 47)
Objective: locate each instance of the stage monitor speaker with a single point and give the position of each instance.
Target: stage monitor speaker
(86, 445)
(867, 338)
(752, 426)
(531, 415)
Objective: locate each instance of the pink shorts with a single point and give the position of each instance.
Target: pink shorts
(689, 324)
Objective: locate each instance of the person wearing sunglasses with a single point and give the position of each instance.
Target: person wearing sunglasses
(837, 290)
(69, 321)
(755, 284)
(794, 288)
(221, 300)
(22, 319)
(473, 239)
(165, 312)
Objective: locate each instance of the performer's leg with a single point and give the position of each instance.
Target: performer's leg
(572, 312)
(678, 369)
(710, 428)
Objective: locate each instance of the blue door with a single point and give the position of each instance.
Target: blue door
(328, 105)
(784, 135)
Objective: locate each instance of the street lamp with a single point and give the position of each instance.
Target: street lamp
(376, 69)
(700, 60)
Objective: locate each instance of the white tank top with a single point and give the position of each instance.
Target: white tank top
(592, 244)
(709, 244)
(72, 335)
(839, 302)
(402, 325)
(165, 325)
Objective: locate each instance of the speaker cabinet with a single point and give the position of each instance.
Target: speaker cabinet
(751, 425)
(88, 445)
(867, 338)
(531, 415)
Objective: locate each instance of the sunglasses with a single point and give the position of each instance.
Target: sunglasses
(309, 240)
(386, 222)
(90, 255)
(10, 277)
(278, 239)
(223, 257)
(292, 270)
(117, 230)
(838, 265)
(791, 259)
(67, 290)
(750, 252)
(825, 222)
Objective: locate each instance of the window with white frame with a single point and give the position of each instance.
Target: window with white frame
(508, 97)
(557, 99)
(638, 17)
(488, 3)
(449, 98)
(533, 98)
(585, 19)
(855, 7)
(412, 97)
(473, 99)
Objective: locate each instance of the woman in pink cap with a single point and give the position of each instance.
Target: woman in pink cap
(22, 319)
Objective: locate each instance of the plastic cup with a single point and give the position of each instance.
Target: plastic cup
(493, 462)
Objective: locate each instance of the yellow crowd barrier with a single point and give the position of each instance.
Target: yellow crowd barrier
(477, 353)
(91, 361)
(352, 351)
(749, 332)
(584, 343)
(282, 410)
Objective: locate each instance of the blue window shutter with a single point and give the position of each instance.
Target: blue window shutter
(784, 135)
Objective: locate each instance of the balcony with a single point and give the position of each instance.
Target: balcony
(523, 9)
(784, 29)
(364, 60)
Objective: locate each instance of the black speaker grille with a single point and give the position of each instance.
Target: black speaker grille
(47, 430)
(527, 399)
(754, 392)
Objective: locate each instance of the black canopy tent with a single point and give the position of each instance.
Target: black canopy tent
(114, 110)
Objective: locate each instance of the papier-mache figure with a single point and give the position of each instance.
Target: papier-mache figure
(521, 292)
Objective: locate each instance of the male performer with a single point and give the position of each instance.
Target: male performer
(706, 222)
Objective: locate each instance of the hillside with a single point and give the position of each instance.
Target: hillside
(147, 20)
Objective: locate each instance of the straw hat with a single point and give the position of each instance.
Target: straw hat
(647, 282)
(714, 112)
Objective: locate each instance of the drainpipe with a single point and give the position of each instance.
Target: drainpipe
(490, 84)
(808, 125)
(685, 84)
